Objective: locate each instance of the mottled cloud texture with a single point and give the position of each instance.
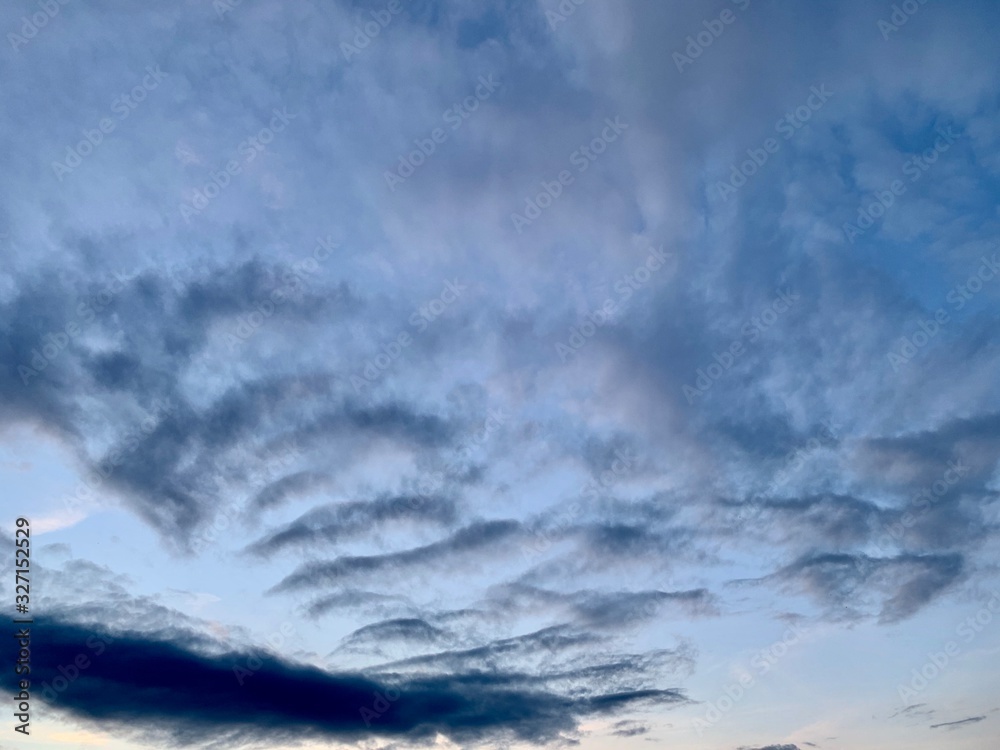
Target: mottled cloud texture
(540, 360)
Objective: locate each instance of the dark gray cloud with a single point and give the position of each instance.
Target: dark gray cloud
(326, 525)
(133, 684)
(629, 728)
(605, 610)
(952, 725)
(614, 609)
(844, 521)
(170, 451)
(893, 588)
(287, 487)
(973, 440)
(351, 599)
(555, 639)
(558, 658)
(469, 540)
(628, 540)
(409, 630)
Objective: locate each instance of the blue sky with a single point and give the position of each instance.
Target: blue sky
(504, 373)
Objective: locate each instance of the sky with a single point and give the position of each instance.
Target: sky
(501, 373)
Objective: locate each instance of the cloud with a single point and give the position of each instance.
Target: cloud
(604, 610)
(916, 709)
(469, 540)
(408, 629)
(164, 684)
(167, 450)
(953, 725)
(339, 435)
(326, 525)
(286, 487)
(370, 601)
(898, 586)
(629, 729)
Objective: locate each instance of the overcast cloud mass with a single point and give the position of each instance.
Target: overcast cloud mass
(502, 373)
